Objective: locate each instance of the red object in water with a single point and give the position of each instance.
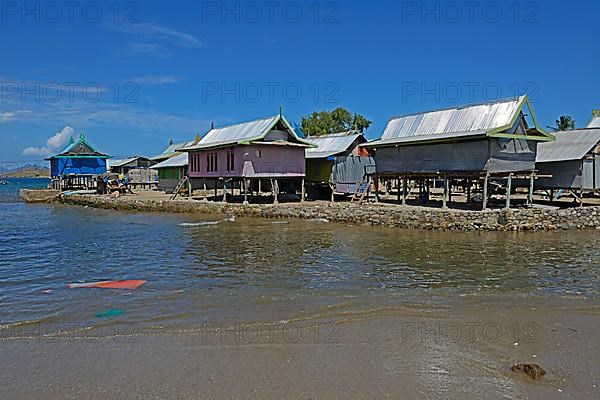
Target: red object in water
(130, 284)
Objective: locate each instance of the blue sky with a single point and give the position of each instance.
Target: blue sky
(133, 75)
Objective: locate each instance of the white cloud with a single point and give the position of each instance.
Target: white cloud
(102, 115)
(60, 139)
(8, 117)
(155, 80)
(36, 151)
(160, 32)
(152, 49)
(106, 115)
(13, 115)
(53, 144)
(154, 39)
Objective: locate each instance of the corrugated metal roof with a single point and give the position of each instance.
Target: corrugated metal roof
(475, 119)
(172, 150)
(594, 123)
(180, 160)
(569, 145)
(120, 163)
(80, 148)
(329, 145)
(480, 117)
(235, 134)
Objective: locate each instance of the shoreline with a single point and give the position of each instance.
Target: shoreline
(391, 215)
(337, 356)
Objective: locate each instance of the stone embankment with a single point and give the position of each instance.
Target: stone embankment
(39, 195)
(410, 217)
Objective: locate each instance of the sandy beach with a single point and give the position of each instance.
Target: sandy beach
(463, 352)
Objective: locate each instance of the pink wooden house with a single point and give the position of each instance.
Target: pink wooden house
(250, 153)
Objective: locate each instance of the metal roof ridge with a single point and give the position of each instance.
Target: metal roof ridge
(461, 107)
(334, 135)
(242, 123)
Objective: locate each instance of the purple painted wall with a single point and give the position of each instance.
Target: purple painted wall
(259, 161)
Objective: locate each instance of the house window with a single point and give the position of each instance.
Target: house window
(230, 160)
(211, 162)
(258, 153)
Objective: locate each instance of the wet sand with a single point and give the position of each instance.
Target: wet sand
(462, 352)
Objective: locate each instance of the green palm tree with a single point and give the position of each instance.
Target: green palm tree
(565, 123)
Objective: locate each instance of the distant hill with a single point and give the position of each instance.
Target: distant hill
(27, 171)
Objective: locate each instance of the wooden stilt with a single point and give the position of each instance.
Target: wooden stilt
(404, 190)
(485, 190)
(530, 194)
(216, 191)
(332, 193)
(189, 188)
(205, 192)
(225, 191)
(275, 191)
(508, 190)
(468, 191)
(303, 192)
(398, 188)
(376, 180)
(445, 198)
(245, 182)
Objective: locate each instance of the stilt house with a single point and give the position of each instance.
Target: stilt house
(77, 165)
(496, 139)
(264, 149)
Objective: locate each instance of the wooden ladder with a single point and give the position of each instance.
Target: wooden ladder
(361, 190)
(180, 184)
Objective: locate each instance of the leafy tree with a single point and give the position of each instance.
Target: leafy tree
(565, 123)
(339, 120)
(360, 123)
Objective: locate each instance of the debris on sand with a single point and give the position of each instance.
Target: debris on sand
(533, 370)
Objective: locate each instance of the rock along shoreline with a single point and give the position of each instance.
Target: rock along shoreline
(407, 217)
